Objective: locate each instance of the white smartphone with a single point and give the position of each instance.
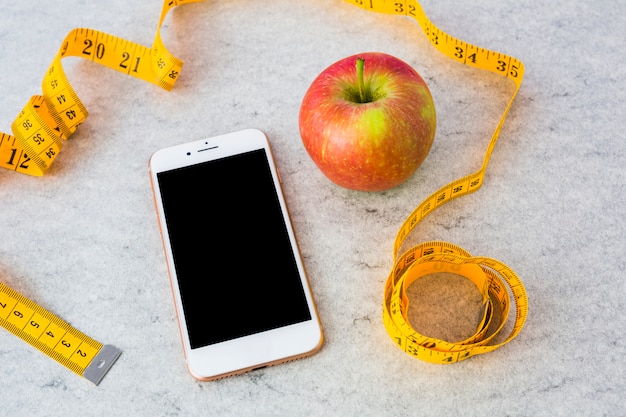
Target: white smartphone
(241, 293)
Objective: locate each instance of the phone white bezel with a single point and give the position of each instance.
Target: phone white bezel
(254, 351)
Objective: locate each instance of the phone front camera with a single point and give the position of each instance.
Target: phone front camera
(188, 153)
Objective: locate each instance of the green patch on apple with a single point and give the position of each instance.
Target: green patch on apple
(368, 121)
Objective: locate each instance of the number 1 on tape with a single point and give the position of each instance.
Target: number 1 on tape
(54, 337)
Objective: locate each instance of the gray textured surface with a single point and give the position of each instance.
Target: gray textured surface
(83, 240)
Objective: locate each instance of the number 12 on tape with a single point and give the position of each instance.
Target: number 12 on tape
(54, 337)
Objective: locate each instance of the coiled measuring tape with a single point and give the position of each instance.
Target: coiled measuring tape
(46, 120)
(497, 283)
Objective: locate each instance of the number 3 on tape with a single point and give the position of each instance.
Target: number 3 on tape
(54, 337)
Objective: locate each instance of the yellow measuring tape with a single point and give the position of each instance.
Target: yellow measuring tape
(493, 279)
(48, 119)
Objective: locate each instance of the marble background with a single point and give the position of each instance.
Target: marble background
(83, 240)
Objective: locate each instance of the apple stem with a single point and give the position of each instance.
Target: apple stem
(360, 63)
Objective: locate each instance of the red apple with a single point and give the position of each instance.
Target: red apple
(368, 121)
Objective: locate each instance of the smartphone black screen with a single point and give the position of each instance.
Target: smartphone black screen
(234, 262)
